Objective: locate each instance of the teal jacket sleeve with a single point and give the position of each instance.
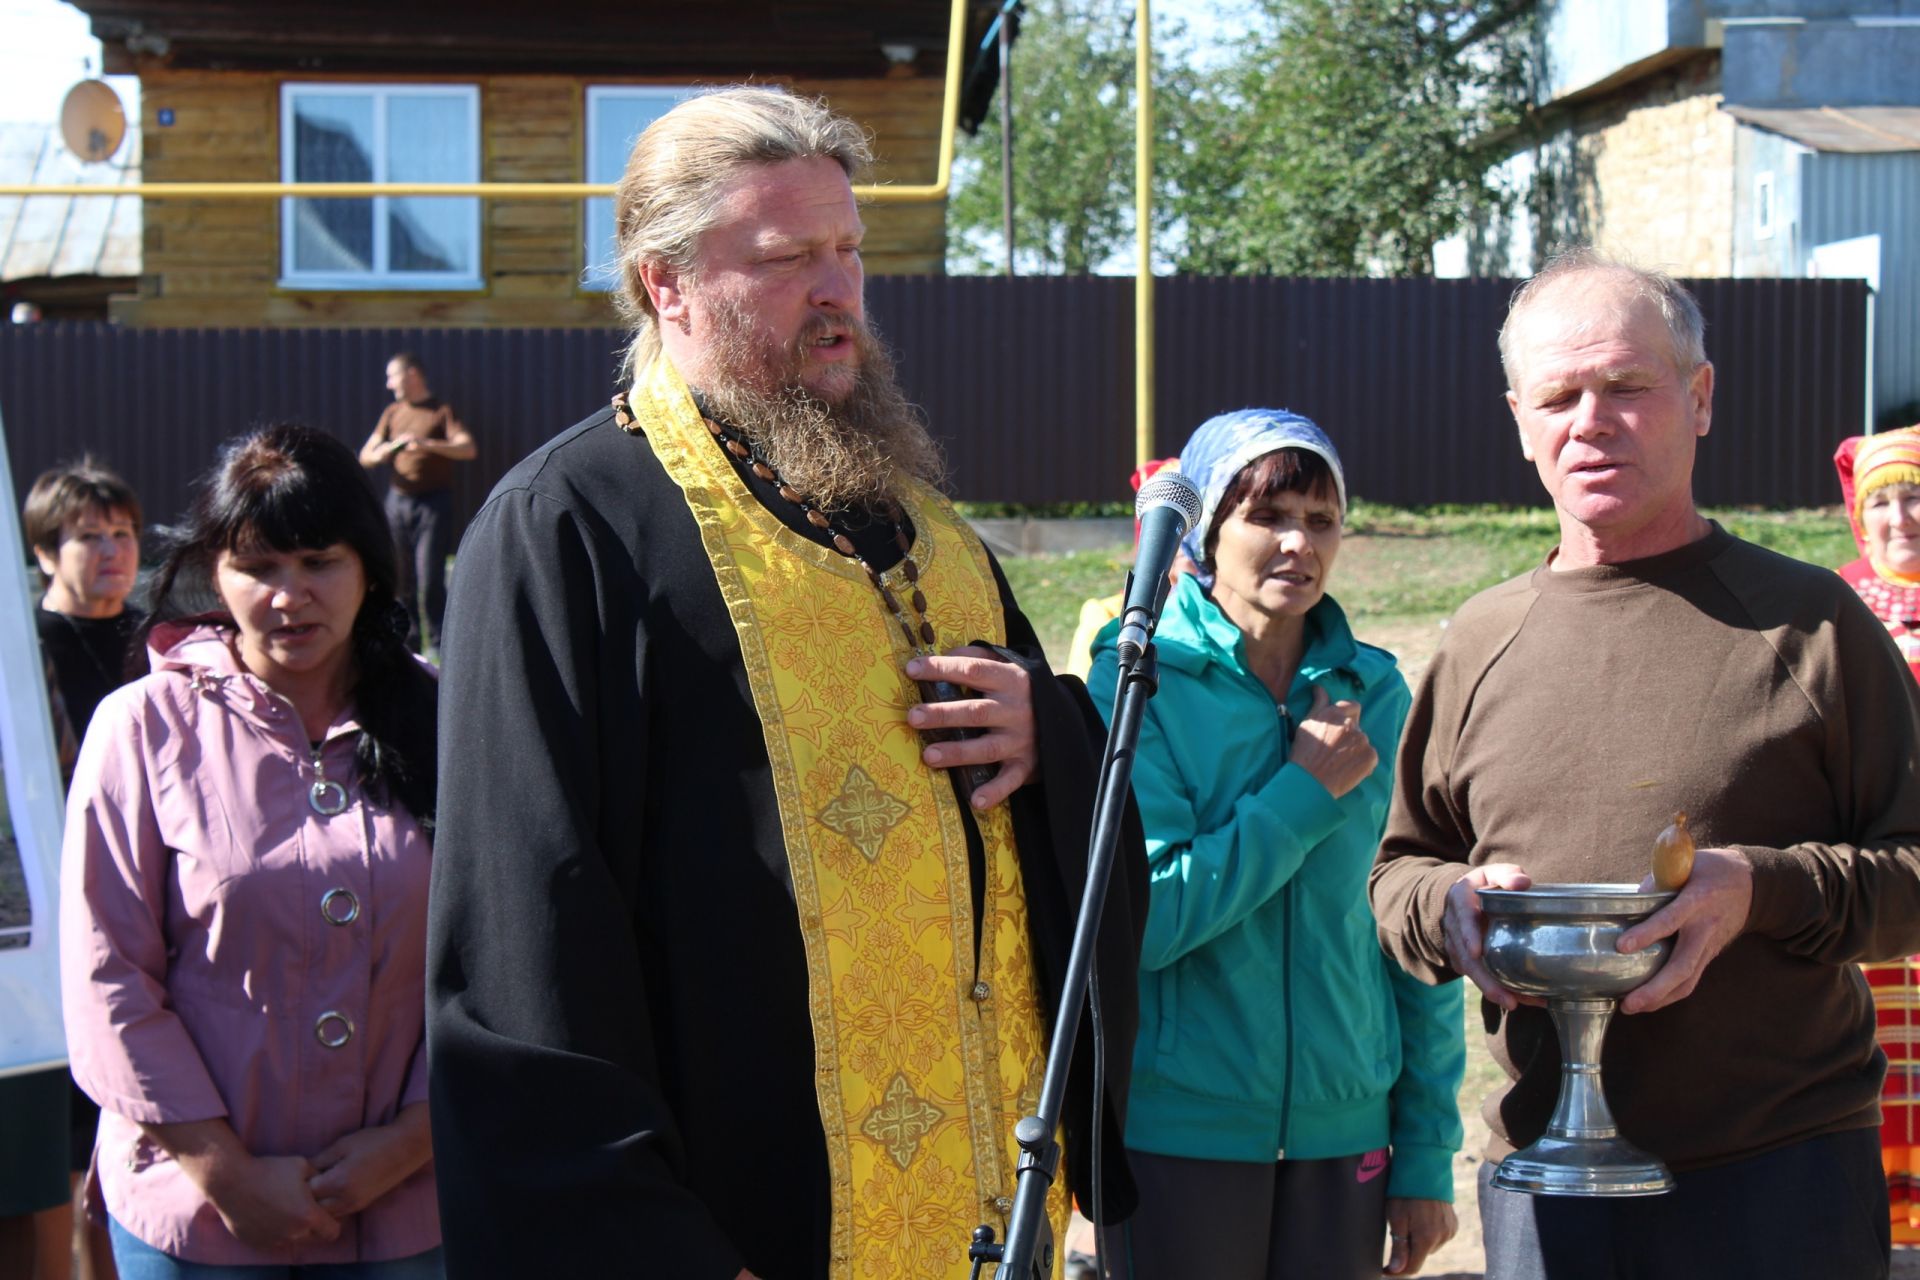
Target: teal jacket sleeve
(1203, 883)
(1424, 1103)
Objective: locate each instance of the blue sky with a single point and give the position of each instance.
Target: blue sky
(45, 48)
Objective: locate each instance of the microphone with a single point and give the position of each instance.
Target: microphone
(1167, 508)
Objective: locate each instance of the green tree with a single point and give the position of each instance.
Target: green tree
(1073, 122)
(1347, 136)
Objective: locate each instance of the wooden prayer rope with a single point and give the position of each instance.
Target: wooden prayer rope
(922, 638)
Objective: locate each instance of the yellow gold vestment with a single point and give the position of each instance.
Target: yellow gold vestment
(923, 1060)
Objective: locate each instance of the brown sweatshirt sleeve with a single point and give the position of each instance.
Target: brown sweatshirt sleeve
(1429, 840)
(1843, 902)
(1424, 849)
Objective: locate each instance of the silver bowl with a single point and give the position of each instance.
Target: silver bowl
(1561, 942)
(1563, 939)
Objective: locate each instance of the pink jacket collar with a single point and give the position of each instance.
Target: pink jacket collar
(203, 651)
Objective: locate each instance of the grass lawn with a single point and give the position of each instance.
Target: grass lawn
(1402, 571)
(1400, 574)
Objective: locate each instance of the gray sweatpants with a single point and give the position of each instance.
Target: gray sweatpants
(1816, 1210)
(1231, 1220)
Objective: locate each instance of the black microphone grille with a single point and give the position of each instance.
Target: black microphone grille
(1170, 489)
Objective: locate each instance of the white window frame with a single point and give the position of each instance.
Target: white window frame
(375, 280)
(598, 93)
(1766, 219)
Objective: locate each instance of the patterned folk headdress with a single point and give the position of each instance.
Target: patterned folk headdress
(1869, 463)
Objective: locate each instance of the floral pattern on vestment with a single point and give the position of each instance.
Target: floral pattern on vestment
(922, 1064)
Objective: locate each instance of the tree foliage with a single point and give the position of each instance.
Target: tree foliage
(1348, 136)
(1073, 123)
(1330, 137)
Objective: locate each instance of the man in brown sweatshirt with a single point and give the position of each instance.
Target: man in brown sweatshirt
(1656, 664)
(420, 435)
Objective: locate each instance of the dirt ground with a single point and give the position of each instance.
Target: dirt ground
(1463, 1257)
(1413, 638)
(1413, 641)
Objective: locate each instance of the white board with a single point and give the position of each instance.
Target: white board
(1855, 259)
(31, 812)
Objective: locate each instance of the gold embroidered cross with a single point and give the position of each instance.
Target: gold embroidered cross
(901, 1120)
(863, 813)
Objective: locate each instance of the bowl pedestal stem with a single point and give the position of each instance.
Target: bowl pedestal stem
(1582, 1152)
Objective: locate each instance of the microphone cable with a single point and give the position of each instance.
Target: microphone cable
(1098, 1207)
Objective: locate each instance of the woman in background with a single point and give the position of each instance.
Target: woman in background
(1293, 1108)
(244, 886)
(1880, 483)
(83, 524)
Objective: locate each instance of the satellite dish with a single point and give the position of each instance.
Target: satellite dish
(92, 121)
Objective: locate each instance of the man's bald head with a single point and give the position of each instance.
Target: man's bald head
(1605, 288)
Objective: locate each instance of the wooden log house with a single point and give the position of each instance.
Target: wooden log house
(473, 90)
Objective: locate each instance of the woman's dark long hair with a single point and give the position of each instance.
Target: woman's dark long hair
(291, 488)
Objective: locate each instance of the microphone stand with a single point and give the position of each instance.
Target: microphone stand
(1027, 1253)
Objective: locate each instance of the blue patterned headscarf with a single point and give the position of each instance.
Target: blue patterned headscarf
(1222, 446)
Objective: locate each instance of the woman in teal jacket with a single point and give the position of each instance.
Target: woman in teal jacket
(1293, 1090)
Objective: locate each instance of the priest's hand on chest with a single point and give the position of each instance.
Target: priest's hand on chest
(995, 706)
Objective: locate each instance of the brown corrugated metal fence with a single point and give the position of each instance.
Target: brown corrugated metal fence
(1029, 382)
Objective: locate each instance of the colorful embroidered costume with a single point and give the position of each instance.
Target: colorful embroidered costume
(1867, 463)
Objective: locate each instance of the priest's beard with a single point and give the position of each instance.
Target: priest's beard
(847, 453)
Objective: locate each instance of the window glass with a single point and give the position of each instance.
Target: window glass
(381, 133)
(30, 821)
(616, 116)
(333, 142)
(16, 909)
(429, 139)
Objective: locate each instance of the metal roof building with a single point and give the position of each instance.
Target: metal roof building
(66, 254)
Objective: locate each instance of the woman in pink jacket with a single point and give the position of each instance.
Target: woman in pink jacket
(244, 890)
